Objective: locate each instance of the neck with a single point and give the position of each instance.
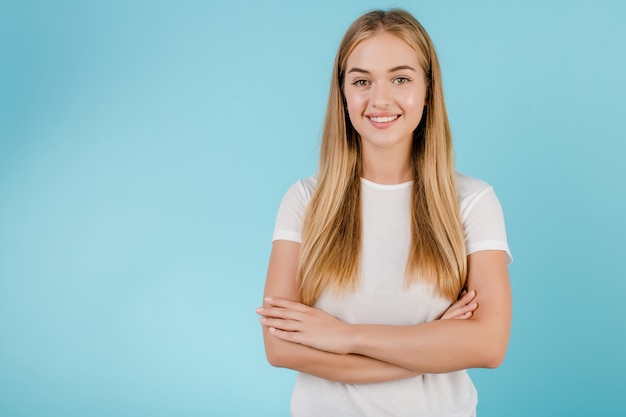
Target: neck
(387, 167)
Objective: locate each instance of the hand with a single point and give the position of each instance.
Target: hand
(298, 323)
(463, 308)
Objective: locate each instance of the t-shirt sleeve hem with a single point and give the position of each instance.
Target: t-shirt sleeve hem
(287, 235)
(490, 245)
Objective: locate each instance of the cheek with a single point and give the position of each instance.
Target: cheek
(355, 105)
(414, 103)
(413, 99)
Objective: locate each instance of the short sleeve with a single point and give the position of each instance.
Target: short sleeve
(483, 220)
(291, 211)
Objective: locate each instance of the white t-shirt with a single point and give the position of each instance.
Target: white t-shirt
(381, 298)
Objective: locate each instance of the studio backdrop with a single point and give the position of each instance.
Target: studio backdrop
(145, 147)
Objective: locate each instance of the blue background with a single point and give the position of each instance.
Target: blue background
(145, 147)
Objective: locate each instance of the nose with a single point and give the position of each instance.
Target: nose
(381, 95)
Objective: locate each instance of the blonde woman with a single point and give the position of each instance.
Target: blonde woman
(376, 257)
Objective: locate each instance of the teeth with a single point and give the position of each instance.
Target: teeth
(383, 119)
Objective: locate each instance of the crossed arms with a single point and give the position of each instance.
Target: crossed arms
(473, 333)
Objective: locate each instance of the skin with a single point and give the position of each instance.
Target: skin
(281, 286)
(436, 347)
(384, 80)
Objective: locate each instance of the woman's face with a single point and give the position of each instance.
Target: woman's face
(385, 92)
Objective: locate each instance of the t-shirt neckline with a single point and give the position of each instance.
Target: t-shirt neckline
(386, 186)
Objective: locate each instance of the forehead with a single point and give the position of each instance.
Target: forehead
(381, 52)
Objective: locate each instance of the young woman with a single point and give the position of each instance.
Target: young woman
(372, 256)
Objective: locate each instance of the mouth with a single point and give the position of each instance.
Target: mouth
(383, 119)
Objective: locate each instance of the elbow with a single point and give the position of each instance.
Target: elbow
(275, 353)
(493, 357)
(494, 361)
(491, 346)
(274, 359)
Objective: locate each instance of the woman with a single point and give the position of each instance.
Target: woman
(371, 255)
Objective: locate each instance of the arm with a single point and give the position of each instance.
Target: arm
(450, 345)
(349, 368)
(434, 347)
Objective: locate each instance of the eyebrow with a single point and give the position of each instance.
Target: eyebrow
(394, 69)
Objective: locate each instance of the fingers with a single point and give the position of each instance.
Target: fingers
(285, 325)
(463, 308)
(292, 337)
(279, 313)
(282, 314)
(282, 318)
(466, 297)
(465, 312)
(283, 309)
(464, 316)
(285, 303)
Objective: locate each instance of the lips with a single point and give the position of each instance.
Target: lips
(383, 119)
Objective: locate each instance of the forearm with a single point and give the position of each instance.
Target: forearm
(450, 345)
(435, 347)
(349, 368)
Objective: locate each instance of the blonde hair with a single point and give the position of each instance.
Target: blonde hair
(331, 235)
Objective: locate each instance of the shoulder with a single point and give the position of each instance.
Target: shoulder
(301, 191)
(468, 188)
(308, 184)
(290, 214)
(481, 214)
(471, 190)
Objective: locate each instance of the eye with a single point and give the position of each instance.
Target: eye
(361, 82)
(401, 80)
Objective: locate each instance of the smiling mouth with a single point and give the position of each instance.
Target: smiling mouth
(383, 119)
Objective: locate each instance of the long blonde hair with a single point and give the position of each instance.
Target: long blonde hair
(331, 235)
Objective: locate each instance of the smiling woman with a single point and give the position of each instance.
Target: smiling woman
(388, 275)
(384, 88)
